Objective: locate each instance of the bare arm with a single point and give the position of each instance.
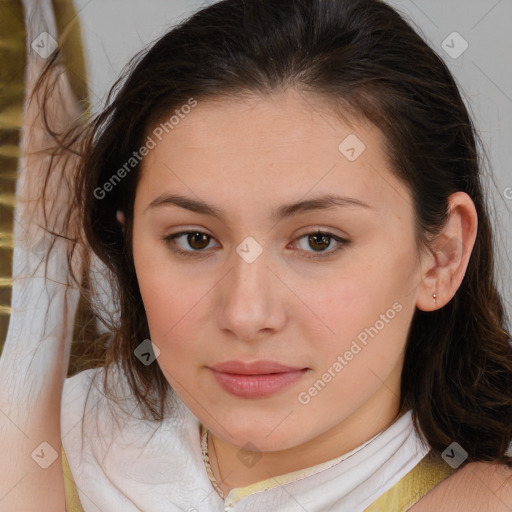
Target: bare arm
(35, 356)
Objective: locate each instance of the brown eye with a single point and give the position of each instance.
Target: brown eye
(320, 242)
(197, 240)
(195, 243)
(192, 243)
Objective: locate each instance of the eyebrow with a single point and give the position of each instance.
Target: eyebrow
(324, 202)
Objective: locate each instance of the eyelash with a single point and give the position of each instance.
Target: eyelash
(169, 241)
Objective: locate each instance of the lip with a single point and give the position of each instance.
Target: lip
(262, 367)
(256, 379)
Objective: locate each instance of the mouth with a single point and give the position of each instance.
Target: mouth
(257, 379)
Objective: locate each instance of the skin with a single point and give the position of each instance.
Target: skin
(248, 156)
(478, 486)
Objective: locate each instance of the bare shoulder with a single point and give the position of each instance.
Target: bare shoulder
(478, 486)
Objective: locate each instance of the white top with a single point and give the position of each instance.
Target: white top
(121, 462)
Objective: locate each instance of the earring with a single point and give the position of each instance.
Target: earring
(435, 296)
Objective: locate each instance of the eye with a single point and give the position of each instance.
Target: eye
(319, 241)
(197, 240)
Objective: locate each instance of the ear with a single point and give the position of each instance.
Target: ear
(120, 218)
(443, 269)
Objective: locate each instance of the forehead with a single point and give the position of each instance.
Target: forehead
(274, 148)
(251, 122)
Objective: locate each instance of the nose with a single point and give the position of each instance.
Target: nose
(253, 300)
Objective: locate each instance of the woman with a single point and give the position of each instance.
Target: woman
(287, 198)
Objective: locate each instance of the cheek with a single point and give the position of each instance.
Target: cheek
(365, 323)
(160, 288)
(173, 304)
(176, 306)
(370, 301)
(175, 316)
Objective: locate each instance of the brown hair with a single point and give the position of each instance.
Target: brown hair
(363, 56)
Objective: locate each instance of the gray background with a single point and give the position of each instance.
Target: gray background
(114, 30)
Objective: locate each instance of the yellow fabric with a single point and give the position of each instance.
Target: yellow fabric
(12, 69)
(430, 471)
(72, 501)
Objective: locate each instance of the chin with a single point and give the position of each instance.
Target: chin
(263, 435)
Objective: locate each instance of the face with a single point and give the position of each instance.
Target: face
(327, 289)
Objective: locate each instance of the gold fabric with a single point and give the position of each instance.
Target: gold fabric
(72, 500)
(430, 471)
(12, 69)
